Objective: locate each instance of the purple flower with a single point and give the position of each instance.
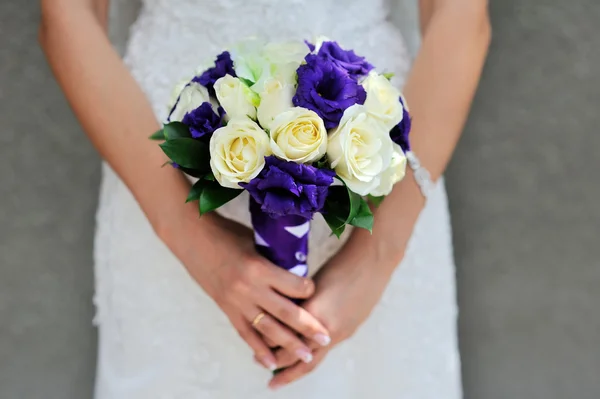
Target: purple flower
(311, 46)
(326, 89)
(223, 66)
(400, 132)
(288, 188)
(203, 121)
(346, 59)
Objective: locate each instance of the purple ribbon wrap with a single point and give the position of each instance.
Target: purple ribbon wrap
(282, 240)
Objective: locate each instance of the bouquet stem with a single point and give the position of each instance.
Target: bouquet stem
(282, 240)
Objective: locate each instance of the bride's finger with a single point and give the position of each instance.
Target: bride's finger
(295, 317)
(280, 335)
(262, 352)
(298, 370)
(289, 284)
(285, 359)
(270, 342)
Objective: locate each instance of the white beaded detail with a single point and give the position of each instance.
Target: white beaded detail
(421, 174)
(300, 256)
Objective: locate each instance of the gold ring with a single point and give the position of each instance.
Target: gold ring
(258, 318)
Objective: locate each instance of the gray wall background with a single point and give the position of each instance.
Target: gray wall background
(523, 188)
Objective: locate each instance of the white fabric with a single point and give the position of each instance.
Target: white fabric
(161, 337)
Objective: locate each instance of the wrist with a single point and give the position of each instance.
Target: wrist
(167, 210)
(394, 222)
(189, 238)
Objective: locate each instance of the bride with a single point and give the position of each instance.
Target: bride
(378, 318)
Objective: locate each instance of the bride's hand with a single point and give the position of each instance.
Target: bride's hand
(347, 290)
(219, 254)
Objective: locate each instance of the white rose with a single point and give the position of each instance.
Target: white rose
(298, 135)
(175, 93)
(257, 61)
(274, 99)
(236, 98)
(285, 52)
(360, 149)
(190, 97)
(285, 58)
(248, 61)
(383, 100)
(237, 152)
(393, 174)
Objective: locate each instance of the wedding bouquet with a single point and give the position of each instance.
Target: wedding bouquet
(304, 128)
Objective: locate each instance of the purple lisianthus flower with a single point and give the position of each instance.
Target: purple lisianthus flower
(311, 46)
(326, 89)
(287, 188)
(223, 66)
(355, 65)
(203, 121)
(400, 132)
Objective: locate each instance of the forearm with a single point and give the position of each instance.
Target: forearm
(109, 104)
(439, 91)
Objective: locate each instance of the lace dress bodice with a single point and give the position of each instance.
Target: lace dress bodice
(198, 30)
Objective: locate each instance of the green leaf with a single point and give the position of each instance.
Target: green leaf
(209, 176)
(194, 173)
(354, 202)
(388, 75)
(322, 163)
(245, 81)
(364, 217)
(214, 195)
(334, 216)
(176, 130)
(158, 135)
(338, 232)
(336, 224)
(343, 206)
(195, 191)
(376, 201)
(188, 153)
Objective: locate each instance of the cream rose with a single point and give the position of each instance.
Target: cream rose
(257, 61)
(383, 100)
(285, 58)
(187, 97)
(393, 174)
(275, 99)
(298, 135)
(237, 152)
(280, 53)
(236, 98)
(360, 149)
(249, 61)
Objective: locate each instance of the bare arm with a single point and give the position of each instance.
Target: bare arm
(118, 119)
(109, 104)
(439, 91)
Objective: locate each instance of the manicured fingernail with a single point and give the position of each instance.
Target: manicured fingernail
(269, 363)
(322, 339)
(304, 355)
(275, 385)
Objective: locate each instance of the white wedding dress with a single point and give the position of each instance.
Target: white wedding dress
(161, 337)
